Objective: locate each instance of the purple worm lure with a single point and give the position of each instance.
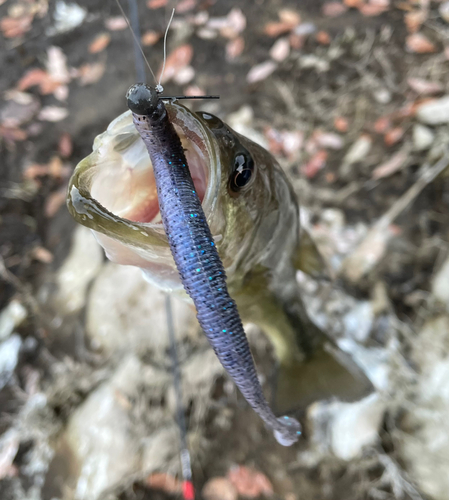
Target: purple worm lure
(196, 255)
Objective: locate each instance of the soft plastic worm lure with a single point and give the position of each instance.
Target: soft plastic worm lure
(196, 255)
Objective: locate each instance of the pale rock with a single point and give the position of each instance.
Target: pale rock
(434, 112)
(160, 449)
(101, 436)
(9, 355)
(11, 317)
(424, 444)
(242, 121)
(444, 11)
(77, 271)
(126, 312)
(359, 321)
(440, 284)
(345, 429)
(356, 153)
(67, 16)
(423, 137)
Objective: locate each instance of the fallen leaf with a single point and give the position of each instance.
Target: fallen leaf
(54, 168)
(42, 255)
(353, 3)
(374, 7)
(13, 27)
(12, 134)
(156, 4)
(382, 125)
(194, 90)
(333, 9)
(150, 38)
(328, 140)
(235, 24)
(249, 482)
(260, 71)
(40, 78)
(393, 136)
(65, 146)
(323, 38)
(234, 48)
(8, 452)
(315, 164)
(425, 87)
(414, 20)
(391, 166)
(341, 124)
(177, 59)
(289, 20)
(117, 23)
(289, 16)
(184, 75)
(185, 6)
(280, 50)
(100, 42)
(15, 114)
(53, 114)
(219, 488)
(164, 482)
(90, 73)
(420, 44)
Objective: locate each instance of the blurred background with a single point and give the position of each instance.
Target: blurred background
(352, 98)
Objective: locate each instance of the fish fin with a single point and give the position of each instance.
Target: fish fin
(308, 258)
(328, 373)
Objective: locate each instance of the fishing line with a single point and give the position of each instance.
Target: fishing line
(186, 468)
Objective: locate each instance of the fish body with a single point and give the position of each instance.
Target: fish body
(255, 228)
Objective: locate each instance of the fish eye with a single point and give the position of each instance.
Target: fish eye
(242, 173)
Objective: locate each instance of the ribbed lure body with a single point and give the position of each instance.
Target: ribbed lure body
(196, 255)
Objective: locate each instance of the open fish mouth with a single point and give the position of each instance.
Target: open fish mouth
(113, 191)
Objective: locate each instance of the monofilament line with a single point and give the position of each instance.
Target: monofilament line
(159, 87)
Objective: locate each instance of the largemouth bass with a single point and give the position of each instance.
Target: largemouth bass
(253, 215)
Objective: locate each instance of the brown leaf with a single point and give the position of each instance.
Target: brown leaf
(194, 90)
(315, 164)
(12, 134)
(414, 20)
(42, 254)
(333, 9)
(420, 44)
(117, 23)
(290, 16)
(219, 488)
(177, 59)
(249, 482)
(54, 168)
(374, 7)
(156, 4)
(391, 166)
(394, 136)
(234, 48)
(65, 146)
(341, 124)
(382, 124)
(425, 87)
(150, 38)
(260, 71)
(185, 6)
(327, 140)
(38, 77)
(100, 42)
(164, 482)
(353, 3)
(90, 73)
(323, 38)
(13, 27)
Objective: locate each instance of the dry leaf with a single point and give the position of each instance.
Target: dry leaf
(425, 87)
(234, 48)
(117, 23)
(12, 134)
(391, 166)
(315, 164)
(150, 38)
(13, 27)
(219, 488)
(100, 42)
(177, 59)
(414, 20)
(374, 7)
(194, 90)
(8, 452)
(353, 3)
(38, 77)
(249, 482)
(394, 136)
(65, 146)
(382, 125)
(184, 75)
(90, 73)
(327, 140)
(323, 38)
(289, 20)
(42, 254)
(289, 16)
(333, 9)
(156, 4)
(185, 6)
(53, 114)
(260, 71)
(280, 50)
(164, 482)
(420, 44)
(341, 124)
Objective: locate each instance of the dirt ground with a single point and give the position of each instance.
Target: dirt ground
(350, 96)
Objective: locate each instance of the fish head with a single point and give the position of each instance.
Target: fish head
(248, 202)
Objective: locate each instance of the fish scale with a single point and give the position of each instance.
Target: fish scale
(196, 255)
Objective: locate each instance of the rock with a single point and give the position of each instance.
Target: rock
(11, 317)
(242, 121)
(160, 449)
(126, 312)
(9, 355)
(424, 443)
(359, 321)
(440, 284)
(444, 11)
(345, 428)
(434, 112)
(219, 488)
(78, 270)
(423, 137)
(357, 152)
